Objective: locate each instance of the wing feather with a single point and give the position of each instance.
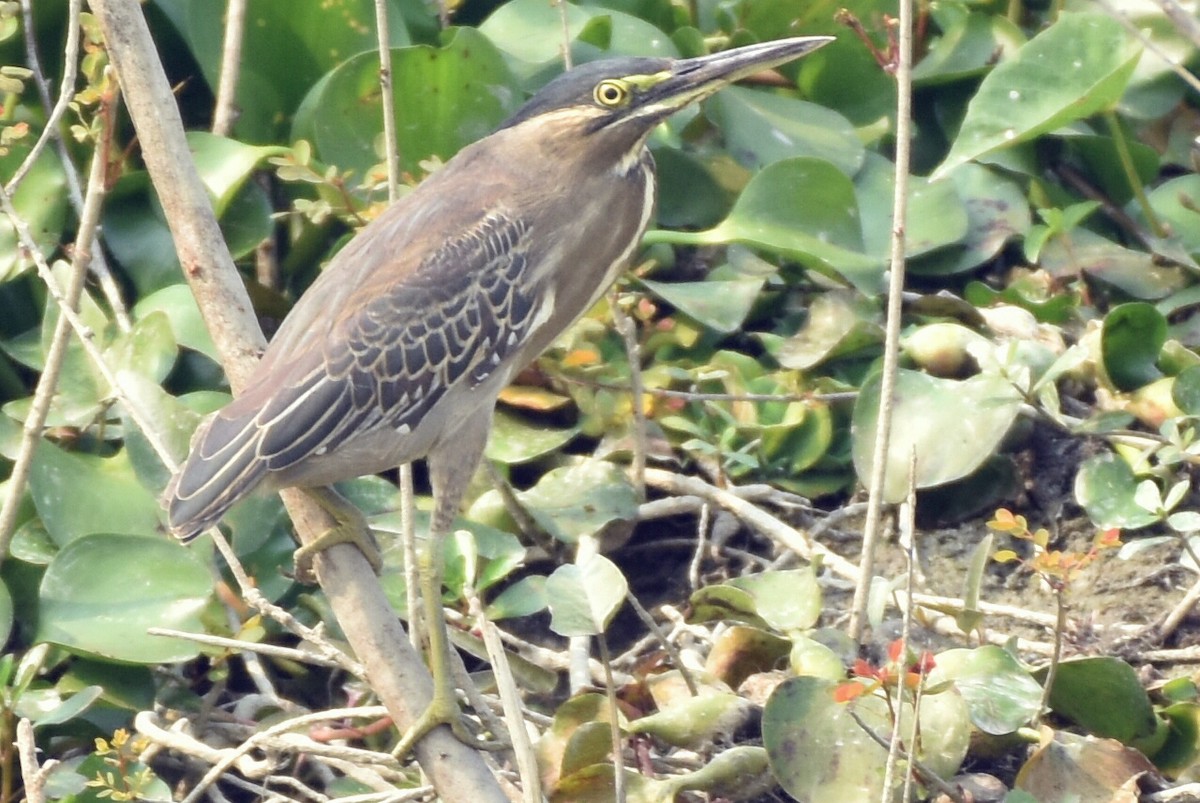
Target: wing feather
(388, 360)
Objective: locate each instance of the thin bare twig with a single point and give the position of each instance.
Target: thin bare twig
(891, 346)
(226, 111)
(56, 352)
(33, 775)
(510, 697)
(628, 331)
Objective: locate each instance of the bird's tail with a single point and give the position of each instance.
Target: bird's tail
(223, 466)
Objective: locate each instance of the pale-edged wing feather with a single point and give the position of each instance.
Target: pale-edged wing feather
(386, 362)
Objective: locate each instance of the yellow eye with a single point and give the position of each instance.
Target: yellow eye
(611, 94)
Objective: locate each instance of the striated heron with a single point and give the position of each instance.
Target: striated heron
(400, 348)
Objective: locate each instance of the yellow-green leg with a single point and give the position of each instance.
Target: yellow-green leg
(451, 467)
(351, 528)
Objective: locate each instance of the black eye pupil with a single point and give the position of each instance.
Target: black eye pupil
(611, 94)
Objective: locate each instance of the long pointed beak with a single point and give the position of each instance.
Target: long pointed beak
(696, 79)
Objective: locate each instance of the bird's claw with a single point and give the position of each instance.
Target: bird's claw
(354, 533)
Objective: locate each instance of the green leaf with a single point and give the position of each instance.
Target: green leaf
(101, 592)
(1105, 488)
(1073, 69)
(179, 305)
(972, 417)
(788, 601)
(518, 439)
(817, 751)
(580, 500)
(803, 209)
(1001, 695)
(584, 597)
(79, 494)
(1105, 697)
(1130, 342)
(1185, 391)
(719, 305)
(40, 200)
(530, 33)
(936, 215)
(525, 597)
(445, 98)
(968, 48)
(225, 164)
(287, 47)
(839, 323)
(996, 212)
(49, 708)
(762, 128)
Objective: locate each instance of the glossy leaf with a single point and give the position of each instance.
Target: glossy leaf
(1105, 488)
(584, 597)
(445, 98)
(972, 417)
(1131, 342)
(1075, 68)
(102, 591)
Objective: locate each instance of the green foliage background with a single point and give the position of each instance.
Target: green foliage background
(1051, 248)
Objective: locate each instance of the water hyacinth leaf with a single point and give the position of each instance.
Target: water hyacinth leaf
(289, 46)
(148, 349)
(1136, 273)
(997, 212)
(1130, 343)
(225, 164)
(968, 48)
(525, 597)
(584, 597)
(719, 305)
(787, 601)
(936, 215)
(762, 128)
(1103, 695)
(40, 200)
(1000, 694)
(817, 751)
(972, 416)
(803, 209)
(575, 501)
(1105, 487)
(530, 34)
(518, 439)
(1186, 390)
(50, 708)
(445, 98)
(101, 592)
(1072, 70)
(79, 494)
(1174, 202)
(179, 305)
(839, 323)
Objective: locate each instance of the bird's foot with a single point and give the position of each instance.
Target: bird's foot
(350, 528)
(443, 709)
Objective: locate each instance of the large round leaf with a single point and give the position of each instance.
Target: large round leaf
(101, 593)
(445, 98)
(952, 426)
(79, 494)
(1130, 342)
(287, 47)
(803, 209)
